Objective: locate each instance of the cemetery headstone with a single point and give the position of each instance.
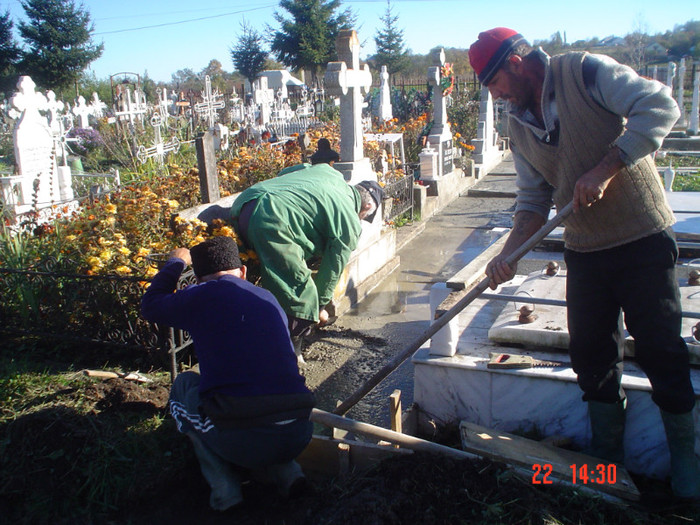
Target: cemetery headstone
(440, 137)
(54, 108)
(97, 106)
(346, 80)
(682, 122)
(34, 150)
(693, 124)
(212, 102)
(385, 109)
(159, 149)
(82, 111)
(263, 98)
(670, 74)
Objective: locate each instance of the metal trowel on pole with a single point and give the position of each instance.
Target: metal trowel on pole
(441, 321)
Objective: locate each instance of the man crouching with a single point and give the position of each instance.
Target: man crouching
(248, 406)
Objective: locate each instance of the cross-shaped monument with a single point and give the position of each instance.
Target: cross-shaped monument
(440, 137)
(82, 111)
(212, 102)
(159, 148)
(345, 79)
(263, 97)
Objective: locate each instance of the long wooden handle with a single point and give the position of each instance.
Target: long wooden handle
(441, 321)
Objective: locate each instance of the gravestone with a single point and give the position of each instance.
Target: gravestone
(385, 109)
(346, 80)
(97, 106)
(670, 74)
(82, 111)
(263, 98)
(212, 102)
(40, 186)
(486, 153)
(54, 109)
(682, 122)
(440, 137)
(693, 125)
(160, 148)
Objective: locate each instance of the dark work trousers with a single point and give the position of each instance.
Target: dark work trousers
(639, 278)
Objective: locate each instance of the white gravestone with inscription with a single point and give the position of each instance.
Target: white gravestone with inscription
(440, 137)
(34, 149)
(346, 80)
(486, 152)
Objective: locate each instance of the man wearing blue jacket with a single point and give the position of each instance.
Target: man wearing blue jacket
(248, 406)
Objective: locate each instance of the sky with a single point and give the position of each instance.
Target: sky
(163, 36)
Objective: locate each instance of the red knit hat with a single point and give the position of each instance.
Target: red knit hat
(490, 51)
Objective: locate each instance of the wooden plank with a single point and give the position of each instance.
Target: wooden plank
(323, 455)
(395, 410)
(541, 459)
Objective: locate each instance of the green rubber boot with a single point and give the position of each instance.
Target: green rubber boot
(224, 483)
(685, 474)
(608, 430)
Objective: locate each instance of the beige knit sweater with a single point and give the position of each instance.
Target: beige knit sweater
(634, 205)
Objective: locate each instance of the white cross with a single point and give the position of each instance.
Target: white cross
(54, 108)
(211, 103)
(159, 148)
(97, 106)
(82, 110)
(346, 80)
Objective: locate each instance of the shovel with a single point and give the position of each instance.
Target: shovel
(441, 321)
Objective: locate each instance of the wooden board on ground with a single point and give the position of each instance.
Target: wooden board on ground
(326, 456)
(541, 459)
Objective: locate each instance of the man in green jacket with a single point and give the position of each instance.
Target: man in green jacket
(308, 213)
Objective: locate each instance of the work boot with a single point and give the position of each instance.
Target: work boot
(685, 474)
(224, 483)
(287, 477)
(608, 430)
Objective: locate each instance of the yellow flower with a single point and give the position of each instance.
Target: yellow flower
(105, 255)
(124, 250)
(71, 238)
(123, 270)
(93, 261)
(111, 208)
(151, 272)
(142, 252)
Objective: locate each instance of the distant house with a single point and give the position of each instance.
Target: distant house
(655, 49)
(612, 41)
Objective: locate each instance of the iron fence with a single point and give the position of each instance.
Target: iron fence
(102, 309)
(398, 198)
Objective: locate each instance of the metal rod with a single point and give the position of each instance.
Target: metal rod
(551, 302)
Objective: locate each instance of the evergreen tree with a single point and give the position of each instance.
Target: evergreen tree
(390, 44)
(249, 57)
(9, 54)
(58, 39)
(307, 40)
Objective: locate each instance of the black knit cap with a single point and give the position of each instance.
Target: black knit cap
(377, 193)
(324, 153)
(214, 255)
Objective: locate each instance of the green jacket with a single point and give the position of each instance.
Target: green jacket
(310, 212)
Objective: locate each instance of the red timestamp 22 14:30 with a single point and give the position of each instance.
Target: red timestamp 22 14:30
(602, 473)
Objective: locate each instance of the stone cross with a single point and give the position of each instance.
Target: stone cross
(163, 104)
(264, 98)
(681, 95)
(348, 81)
(34, 148)
(670, 74)
(212, 102)
(128, 109)
(159, 148)
(694, 125)
(385, 109)
(82, 111)
(440, 137)
(54, 108)
(97, 106)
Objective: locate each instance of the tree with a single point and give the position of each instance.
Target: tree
(390, 44)
(59, 44)
(307, 41)
(249, 57)
(9, 54)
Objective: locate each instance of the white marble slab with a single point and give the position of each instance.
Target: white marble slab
(541, 401)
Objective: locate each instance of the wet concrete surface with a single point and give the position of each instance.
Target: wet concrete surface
(397, 313)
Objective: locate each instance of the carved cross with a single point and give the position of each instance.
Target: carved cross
(159, 148)
(211, 103)
(347, 80)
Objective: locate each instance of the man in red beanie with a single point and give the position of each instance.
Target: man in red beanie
(584, 128)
